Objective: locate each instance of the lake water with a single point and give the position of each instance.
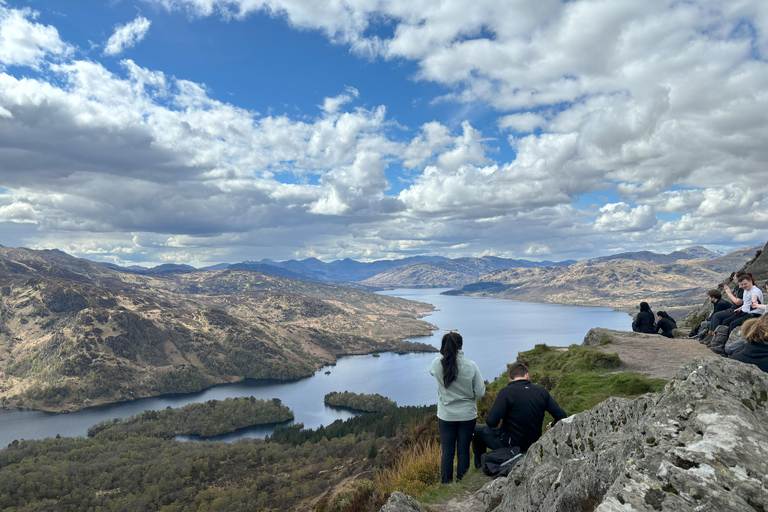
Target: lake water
(494, 331)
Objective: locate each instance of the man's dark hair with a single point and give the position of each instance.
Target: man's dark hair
(516, 370)
(746, 277)
(715, 294)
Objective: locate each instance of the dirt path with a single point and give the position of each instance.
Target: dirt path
(650, 354)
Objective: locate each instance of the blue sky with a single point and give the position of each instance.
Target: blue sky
(204, 131)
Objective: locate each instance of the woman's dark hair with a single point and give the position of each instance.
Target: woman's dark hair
(645, 307)
(663, 314)
(452, 343)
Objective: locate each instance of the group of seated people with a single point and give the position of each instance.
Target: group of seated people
(646, 322)
(744, 308)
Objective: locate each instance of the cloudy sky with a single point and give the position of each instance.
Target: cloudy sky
(206, 131)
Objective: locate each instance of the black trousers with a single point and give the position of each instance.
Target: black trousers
(486, 437)
(455, 438)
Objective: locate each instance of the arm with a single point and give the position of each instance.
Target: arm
(497, 411)
(734, 299)
(478, 386)
(555, 410)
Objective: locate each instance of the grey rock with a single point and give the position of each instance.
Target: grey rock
(701, 444)
(595, 336)
(399, 502)
(484, 500)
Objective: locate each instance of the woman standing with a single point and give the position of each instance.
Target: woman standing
(459, 384)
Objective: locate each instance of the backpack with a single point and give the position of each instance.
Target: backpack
(500, 462)
(719, 339)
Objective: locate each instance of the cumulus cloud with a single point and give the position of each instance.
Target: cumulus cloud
(127, 36)
(24, 42)
(661, 105)
(622, 217)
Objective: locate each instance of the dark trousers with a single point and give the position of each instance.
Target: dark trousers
(717, 318)
(455, 437)
(736, 320)
(486, 437)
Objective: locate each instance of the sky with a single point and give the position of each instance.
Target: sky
(208, 131)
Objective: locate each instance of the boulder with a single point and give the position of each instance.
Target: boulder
(399, 502)
(701, 444)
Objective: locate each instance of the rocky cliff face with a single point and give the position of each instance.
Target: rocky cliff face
(700, 445)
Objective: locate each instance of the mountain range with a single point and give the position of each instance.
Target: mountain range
(75, 334)
(677, 281)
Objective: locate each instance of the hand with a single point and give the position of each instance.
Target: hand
(549, 425)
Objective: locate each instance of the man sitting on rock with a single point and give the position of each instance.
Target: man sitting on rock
(718, 304)
(520, 406)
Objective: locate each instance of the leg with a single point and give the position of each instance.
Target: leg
(464, 439)
(717, 318)
(448, 434)
(737, 322)
(485, 437)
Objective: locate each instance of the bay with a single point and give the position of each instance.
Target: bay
(494, 331)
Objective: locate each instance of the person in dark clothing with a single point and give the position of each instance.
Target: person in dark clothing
(755, 349)
(718, 304)
(644, 321)
(520, 408)
(665, 324)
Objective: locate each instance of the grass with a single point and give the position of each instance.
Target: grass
(415, 470)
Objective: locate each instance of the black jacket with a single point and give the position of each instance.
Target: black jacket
(753, 353)
(522, 405)
(721, 305)
(665, 325)
(645, 321)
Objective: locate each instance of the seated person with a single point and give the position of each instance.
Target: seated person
(755, 349)
(737, 300)
(718, 304)
(760, 307)
(520, 407)
(644, 321)
(752, 295)
(665, 324)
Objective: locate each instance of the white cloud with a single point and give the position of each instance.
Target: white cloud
(622, 217)
(24, 42)
(127, 36)
(332, 105)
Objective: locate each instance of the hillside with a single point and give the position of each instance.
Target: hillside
(76, 334)
(446, 274)
(619, 283)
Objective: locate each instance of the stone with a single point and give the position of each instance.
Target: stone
(399, 502)
(484, 500)
(701, 444)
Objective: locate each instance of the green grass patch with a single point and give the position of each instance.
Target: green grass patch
(473, 480)
(578, 378)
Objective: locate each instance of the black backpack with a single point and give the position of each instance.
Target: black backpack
(500, 462)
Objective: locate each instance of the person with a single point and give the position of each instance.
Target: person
(520, 407)
(755, 349)
(459, 384)
(752, 295)
(644, 321)
(718, 304)
(736, 299)
(758, 306)
(665, 324)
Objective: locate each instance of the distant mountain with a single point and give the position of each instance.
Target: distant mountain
(347, 269)
(691, 253)
(448, 273)
(74, 333)
(620, 283)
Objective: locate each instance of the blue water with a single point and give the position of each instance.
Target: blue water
(494, 331)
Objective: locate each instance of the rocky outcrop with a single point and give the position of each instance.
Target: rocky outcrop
(399, 502)
(701, 444)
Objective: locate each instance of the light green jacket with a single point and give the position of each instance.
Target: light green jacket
(457, 401)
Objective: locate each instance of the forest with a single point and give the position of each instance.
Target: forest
(131, 465)
(359, 401)
(208, 419)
